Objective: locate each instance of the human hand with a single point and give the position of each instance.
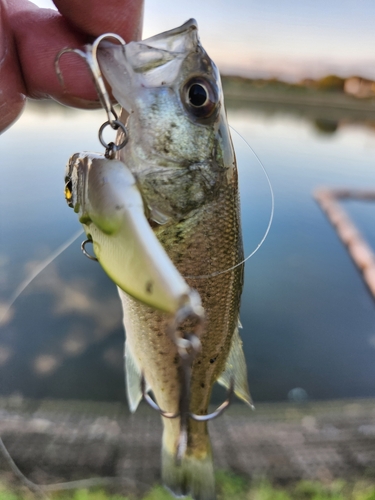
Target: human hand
(30, 39)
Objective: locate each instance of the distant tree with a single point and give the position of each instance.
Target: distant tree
(331, 83)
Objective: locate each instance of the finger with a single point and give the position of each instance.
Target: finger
(12, 93)
(40, 34)
(95, 17)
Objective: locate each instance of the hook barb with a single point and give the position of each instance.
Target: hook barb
(79, 52)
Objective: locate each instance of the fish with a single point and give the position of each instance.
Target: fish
(180, 155)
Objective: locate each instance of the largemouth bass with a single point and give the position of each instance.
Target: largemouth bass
(180, 153)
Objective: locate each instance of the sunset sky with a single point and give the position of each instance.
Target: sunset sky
(291, 39)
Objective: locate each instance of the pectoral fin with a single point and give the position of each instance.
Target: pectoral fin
(133, 381)
(236, 368)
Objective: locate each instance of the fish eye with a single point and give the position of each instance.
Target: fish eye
(69, 191)
(200, 97)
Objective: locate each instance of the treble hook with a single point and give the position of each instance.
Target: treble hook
(185, 414)
(188, 347)
(90, 57)
(199, 418)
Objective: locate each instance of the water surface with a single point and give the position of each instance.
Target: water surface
(308, 319)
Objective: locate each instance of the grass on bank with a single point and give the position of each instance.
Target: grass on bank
(229, 487)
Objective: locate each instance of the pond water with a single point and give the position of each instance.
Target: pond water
(308, 319)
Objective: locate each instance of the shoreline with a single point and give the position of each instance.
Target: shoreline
(55, 441)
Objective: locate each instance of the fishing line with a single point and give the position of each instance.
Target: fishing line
(43, 489)
(218, 273)
(25, 283)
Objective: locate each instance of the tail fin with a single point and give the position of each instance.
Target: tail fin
(194, 475)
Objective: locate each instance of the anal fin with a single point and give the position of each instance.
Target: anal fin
(235, 368)
(133, 380)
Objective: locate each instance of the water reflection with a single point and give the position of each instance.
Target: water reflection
(326, 126)
(308, 319)
(325, 118)
(65, 334)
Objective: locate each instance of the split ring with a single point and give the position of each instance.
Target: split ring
(115, 124)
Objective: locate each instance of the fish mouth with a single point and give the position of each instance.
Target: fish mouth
(190, 25)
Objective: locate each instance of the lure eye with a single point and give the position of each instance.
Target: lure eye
(200, 97)
(68, 191)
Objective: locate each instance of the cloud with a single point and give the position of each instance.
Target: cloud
(5, 354)
(45, 364)
(77, 297)
(88, 316)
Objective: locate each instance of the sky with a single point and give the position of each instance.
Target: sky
(289, 39)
